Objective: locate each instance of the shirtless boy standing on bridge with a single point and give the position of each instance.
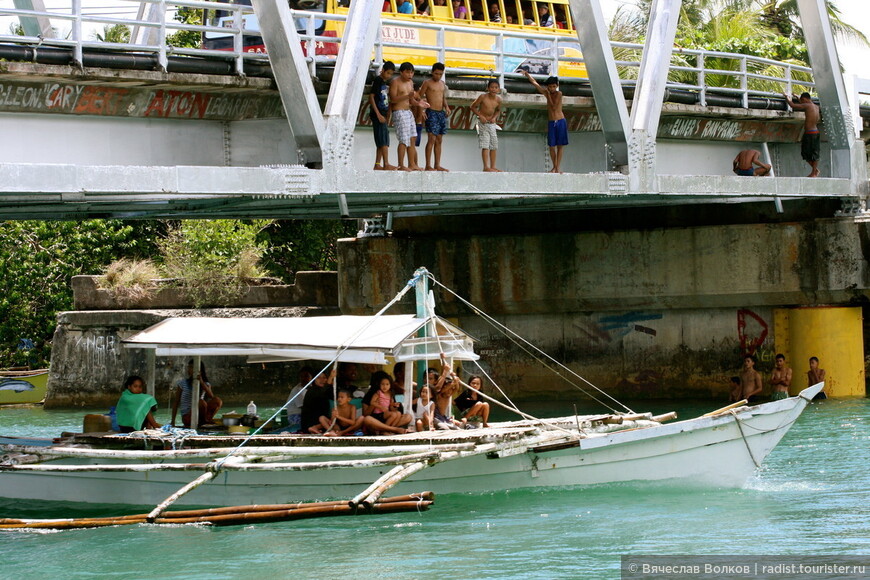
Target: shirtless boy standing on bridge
(557, 126)
(746, 160)
(811, 141)
(402, 98)
(487, 107)
(434, 92)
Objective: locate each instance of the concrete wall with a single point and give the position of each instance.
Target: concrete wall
(652, 313)
(89, 362)
(309, 289)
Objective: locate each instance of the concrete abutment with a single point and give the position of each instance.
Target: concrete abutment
(650, 313)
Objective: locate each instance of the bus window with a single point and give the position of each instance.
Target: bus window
(461, 10)
(529, 12)
(545, 14)
(440, 9)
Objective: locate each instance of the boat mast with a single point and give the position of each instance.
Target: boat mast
(421, 292)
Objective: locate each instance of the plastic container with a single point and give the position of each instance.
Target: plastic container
(252, 408)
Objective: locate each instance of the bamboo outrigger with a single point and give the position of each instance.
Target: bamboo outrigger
(722, 448)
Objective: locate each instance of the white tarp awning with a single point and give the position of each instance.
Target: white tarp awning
(369, 339)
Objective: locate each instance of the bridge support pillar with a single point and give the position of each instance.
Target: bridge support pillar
(604, 78)
(833, 99)
(293, 78)
(646, 108)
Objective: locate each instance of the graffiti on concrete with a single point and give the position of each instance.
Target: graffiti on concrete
(617, 326)
(98, 351)
(728, 130)
(752, 331)
(81, 99)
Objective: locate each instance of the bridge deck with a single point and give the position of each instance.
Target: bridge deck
(75, 192)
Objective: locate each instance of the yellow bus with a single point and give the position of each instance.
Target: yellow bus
(464, 34)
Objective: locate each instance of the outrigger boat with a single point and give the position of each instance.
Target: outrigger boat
(722, 448)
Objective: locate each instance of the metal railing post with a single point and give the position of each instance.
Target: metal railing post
(744, 83)
(162, 57)
(311, 46)
(379, 48)
(239, 40)
(702, 79)
(788, 83)
(442, 50)
(78, 58)
(499, 58)
(555, 70)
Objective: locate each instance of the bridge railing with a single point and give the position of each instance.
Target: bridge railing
(151, 25)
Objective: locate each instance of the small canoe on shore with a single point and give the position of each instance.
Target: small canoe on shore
(23, 387)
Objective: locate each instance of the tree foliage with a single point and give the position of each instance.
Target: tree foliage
(186, 38)
(763, 28)
(37, 262)
(212, 259)
(116, 33)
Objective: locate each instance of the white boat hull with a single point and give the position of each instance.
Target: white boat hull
(721, 451)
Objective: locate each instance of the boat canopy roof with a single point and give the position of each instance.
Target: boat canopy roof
(368, 339)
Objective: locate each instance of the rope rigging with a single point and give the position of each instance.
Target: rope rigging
(525, 346)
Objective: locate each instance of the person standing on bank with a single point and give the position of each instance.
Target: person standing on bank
(750, 379)
(209, 403)
(815, 376)
(780, 379)
(811, 141)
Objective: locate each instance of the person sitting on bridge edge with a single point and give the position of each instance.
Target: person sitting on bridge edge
(402, 99)
(811, 141)
(746, 160)
(434, 92)
(379, 103)
(557, 126)
(487, 107)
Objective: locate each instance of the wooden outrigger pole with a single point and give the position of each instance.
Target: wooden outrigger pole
(236, 515)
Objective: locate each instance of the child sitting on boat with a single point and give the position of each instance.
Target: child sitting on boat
(134, 409)
(471, 404)
(380, 408)
(424, 410)
(344, 420)
(446, 387)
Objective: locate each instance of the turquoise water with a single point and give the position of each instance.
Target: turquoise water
(811, 497)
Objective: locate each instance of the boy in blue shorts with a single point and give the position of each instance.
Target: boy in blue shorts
(434, 91)
(379, 103)
(557, 126)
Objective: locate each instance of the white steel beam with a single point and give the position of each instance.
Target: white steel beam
(348, 80)
(833, 99)
(34, 25)
(292, 77)
(603, 76)
(649, 93)
(147, 35)
(353, 63)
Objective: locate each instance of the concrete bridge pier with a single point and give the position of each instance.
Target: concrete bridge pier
(664, 311)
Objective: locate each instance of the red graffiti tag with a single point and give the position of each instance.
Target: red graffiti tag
(753, 337)
(100, 100)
